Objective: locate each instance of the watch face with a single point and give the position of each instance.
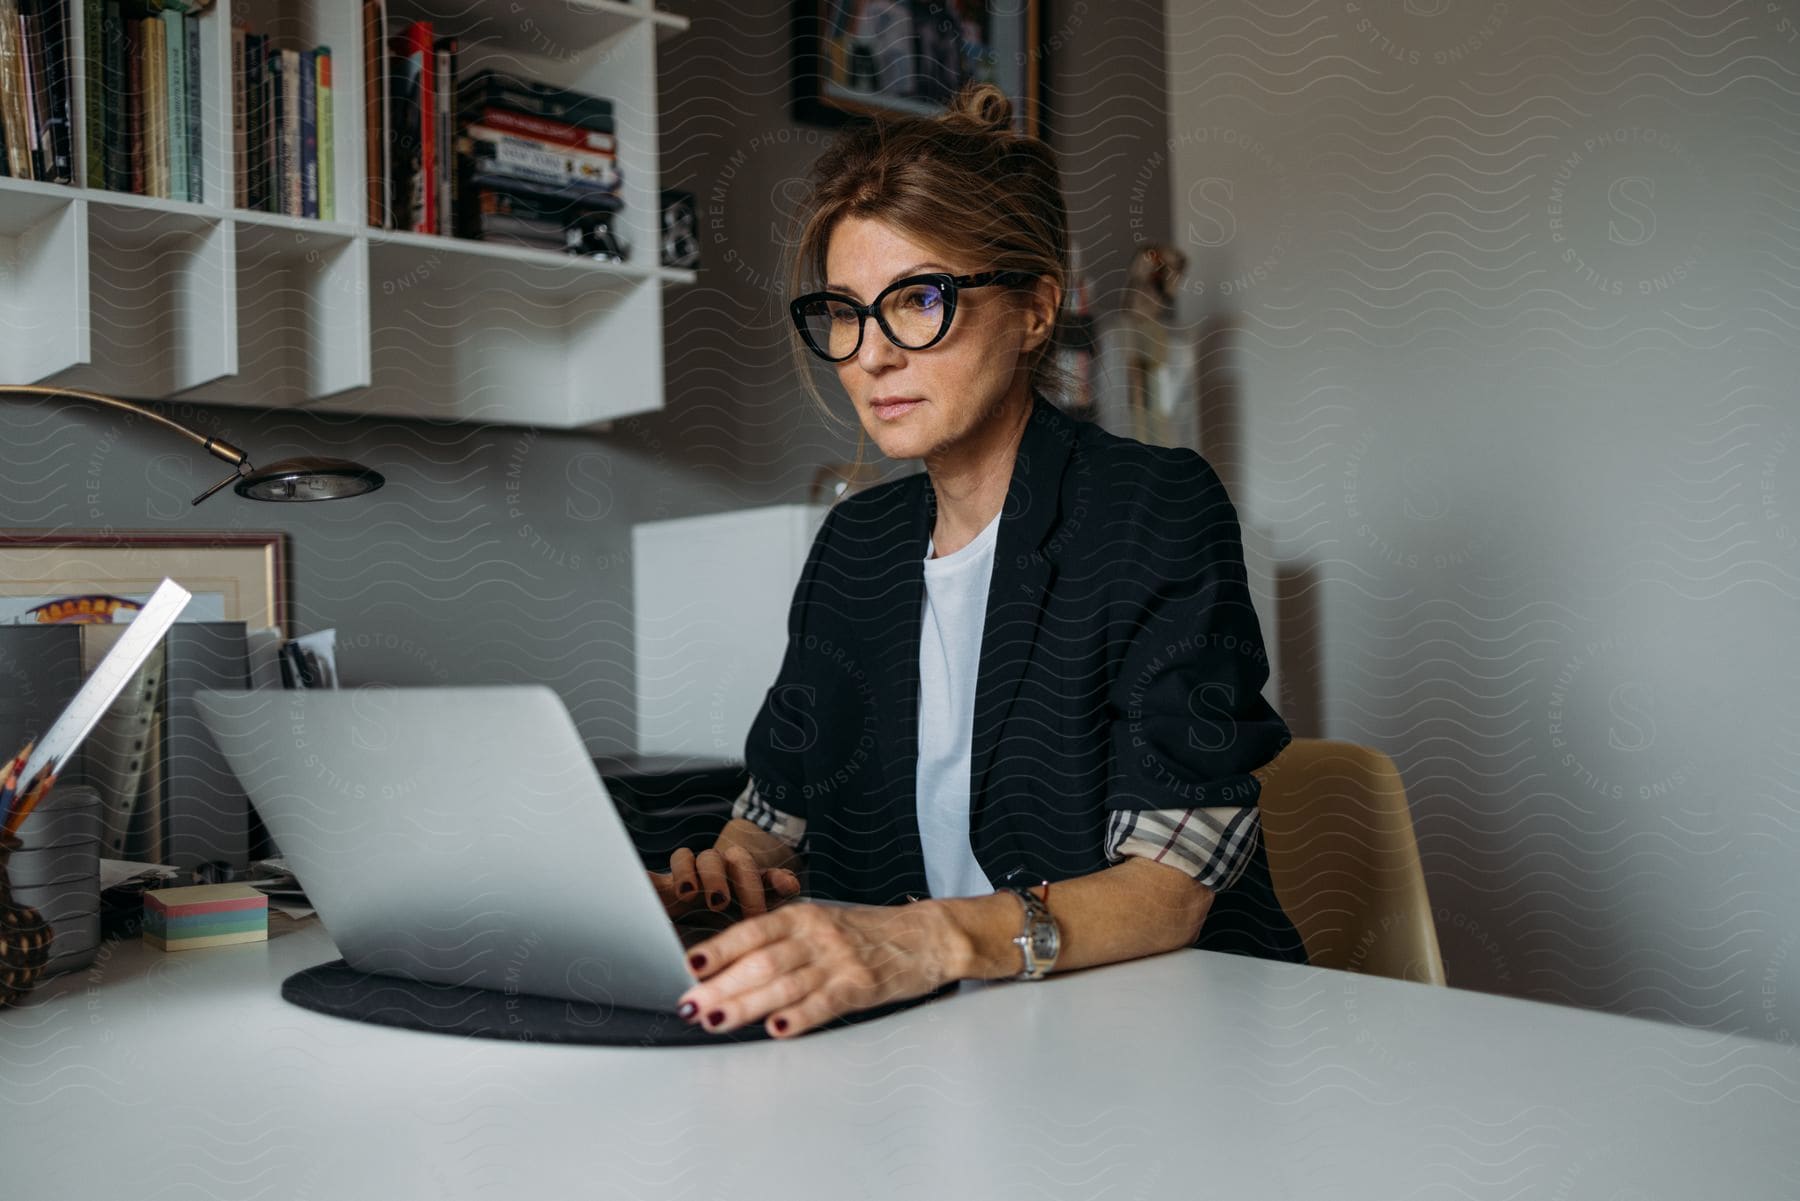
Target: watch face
(1043, 943)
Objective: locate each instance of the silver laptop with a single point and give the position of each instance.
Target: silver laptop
(459, 835)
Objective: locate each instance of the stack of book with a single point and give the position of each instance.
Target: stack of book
(492, 157)
(36, 137)
(142, 91)
(533, 161)
(281, 131)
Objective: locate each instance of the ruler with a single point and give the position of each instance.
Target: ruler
(106, 681)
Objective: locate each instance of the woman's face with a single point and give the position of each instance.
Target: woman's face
(916, 403)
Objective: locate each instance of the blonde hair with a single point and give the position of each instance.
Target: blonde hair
(962, 183)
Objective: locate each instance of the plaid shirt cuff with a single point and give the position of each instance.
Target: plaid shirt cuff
(753, 809)
(1211, 845)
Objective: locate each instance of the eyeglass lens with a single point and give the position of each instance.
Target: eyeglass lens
(914, 314)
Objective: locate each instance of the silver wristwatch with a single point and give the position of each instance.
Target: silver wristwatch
(1039, 939)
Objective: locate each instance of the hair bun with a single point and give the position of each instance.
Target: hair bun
(983, 106)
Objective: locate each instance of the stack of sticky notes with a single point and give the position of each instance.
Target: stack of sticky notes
(205, 915)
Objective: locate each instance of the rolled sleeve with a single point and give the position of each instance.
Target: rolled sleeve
(1212, 846)
(1189, 724)
(787, 827)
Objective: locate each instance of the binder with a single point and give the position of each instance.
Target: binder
(205, 814)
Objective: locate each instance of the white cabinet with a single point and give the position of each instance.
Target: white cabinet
(153, 299)
(710, 598)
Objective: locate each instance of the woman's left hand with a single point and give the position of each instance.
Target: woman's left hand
(804, 964)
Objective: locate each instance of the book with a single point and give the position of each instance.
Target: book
(138, 175)
(409, 101)
(93, 39)
(542, 157)
(493, 88)
(59, 124)
(589, 200)
(37, 96)
(375, 105)
(156, 108)
(240, 119)
(542, 128)
(116, 159)
(196, 181)
(307, 61)
(443, 114)
(287, 126)
(174, 35)
(327, 169)
(12, 93)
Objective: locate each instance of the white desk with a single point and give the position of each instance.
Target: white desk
(156, 1076)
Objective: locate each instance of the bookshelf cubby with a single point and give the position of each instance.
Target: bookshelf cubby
(208, 302)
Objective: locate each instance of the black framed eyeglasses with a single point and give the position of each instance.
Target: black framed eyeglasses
(914, 312)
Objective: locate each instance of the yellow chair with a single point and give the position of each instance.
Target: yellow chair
(1344, 862)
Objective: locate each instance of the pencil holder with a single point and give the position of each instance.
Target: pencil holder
(24, 936)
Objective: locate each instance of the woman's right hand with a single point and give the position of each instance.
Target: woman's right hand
(722, 882)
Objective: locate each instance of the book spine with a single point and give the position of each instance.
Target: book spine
(327, 145)
(255, 195)
(290, 130)
(9, 76)
(62, 87)
(577, 197)
(137, 106)
(277, 140)
(118, 102)
(403, 138)
(196, 177)
(538, 99)
(93, 90)
(494, 156)
(175, 56)
(156, 66)
(240, 120)
(309, 133)
(544, 129)
(374, 134)
(37, 106)
(443, 115)
(427, 125)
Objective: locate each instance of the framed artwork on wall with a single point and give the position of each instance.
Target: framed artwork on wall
(874, 57)
(90, 576)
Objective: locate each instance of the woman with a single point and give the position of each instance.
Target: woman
(1033, 662)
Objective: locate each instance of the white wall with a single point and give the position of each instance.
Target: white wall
(1503, 300)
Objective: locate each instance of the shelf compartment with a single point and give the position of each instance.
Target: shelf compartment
(160, 300)
(43, 282)
(515, 340)
(302, 314)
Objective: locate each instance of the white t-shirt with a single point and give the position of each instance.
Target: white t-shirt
(956, 588)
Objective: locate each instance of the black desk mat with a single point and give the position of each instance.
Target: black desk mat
(337, 989)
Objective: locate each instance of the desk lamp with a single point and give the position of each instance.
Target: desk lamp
(290, 479)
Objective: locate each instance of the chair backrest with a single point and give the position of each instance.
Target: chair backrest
(1344, 861)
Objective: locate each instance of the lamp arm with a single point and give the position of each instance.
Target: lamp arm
(217, 447)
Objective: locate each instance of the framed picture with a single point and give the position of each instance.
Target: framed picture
(871, 57)
(85, 575)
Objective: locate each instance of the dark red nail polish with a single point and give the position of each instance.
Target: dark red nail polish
(717, 898)
(781, 1025)
(715, 1017)
(696, 961)
(687, 1011)
(685, 889)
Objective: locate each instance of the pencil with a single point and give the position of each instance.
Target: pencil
(23, 808)
(11, 779)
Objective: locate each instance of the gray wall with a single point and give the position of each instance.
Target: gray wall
(502, 554)
(1503, 300)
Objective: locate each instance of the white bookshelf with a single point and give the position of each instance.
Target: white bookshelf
(157, 299)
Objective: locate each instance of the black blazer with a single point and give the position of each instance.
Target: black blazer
(1121, 668)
